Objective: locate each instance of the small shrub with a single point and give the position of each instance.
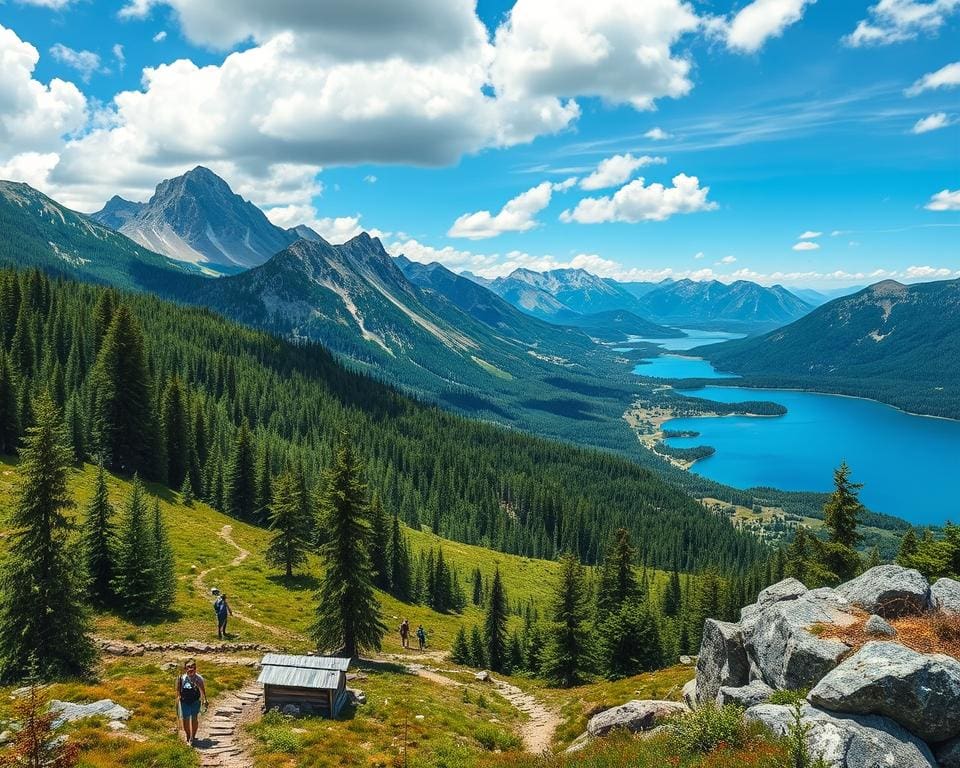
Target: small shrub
(796, 737)
(273, 732)
(492, 738)
(708, 727)
(789, 698)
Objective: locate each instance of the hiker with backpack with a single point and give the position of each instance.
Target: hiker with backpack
(422, 637)
(191, 693)
(405, 633)
(222, 608)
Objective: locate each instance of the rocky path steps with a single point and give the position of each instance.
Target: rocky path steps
(219, 745)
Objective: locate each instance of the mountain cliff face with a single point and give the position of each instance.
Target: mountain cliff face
(197, 218)
(36, 231)
(578, 290)
(893, 342)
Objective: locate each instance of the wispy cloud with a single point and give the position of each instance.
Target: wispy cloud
(87, 63)
(806, 245)
(930, 123)
(945, 77)
(893, 21)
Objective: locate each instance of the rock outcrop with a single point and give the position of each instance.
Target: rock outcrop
(722, 660)
(919, 691)
(879, 626)
(888, 590)
(851, 741)
(68, 711)
(633, 716)
(945, 595)
(757, 692)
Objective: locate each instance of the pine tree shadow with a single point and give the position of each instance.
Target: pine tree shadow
(300, 582)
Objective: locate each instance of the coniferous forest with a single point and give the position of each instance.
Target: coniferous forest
(188, 399)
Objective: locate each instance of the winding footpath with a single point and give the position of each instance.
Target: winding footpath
(219, 741)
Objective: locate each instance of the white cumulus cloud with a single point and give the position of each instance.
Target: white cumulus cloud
(945, 77)
(657, 134)
(930, 123)
(614, 171)
(945, 200)
(637, 201)
(806, 245)
(760, 21)
(892, 21)
(809, 235)
(517, 215)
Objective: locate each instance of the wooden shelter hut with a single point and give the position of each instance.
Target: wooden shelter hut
(313, 684)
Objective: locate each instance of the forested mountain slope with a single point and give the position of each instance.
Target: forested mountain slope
(895, 343)
(225, 403)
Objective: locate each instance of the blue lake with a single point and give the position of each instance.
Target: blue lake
(909, 465)
(694, 338)
(679, 367)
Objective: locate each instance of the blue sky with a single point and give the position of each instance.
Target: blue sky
(776, 118)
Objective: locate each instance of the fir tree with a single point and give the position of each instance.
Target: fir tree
(291, 537)
(122, 416)
(42, 612)
(534, 653)
(239, 482)
(565, 655)
(135, 579)
(9, 412)
(379, 544)
(908, 548)
(478, 653)
(264, 487)
(672, 597)
(477, 587)
(175, 421)
(165, 584)
(515, 655)
(629, 642)
(495, 625)
(186, 492)
(842, 511)
(460, 651)
(401, 581)
(348, 613)
(99, 542)
(618, 583)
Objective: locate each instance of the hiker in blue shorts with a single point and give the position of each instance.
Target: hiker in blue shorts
(191, 693)
(222, 608)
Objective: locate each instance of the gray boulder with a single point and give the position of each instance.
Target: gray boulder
(920, 691)
(888, 590)
(850, 741)
(945, 595)
(633, 716)
(877, 625)
(785, 653)
(746, 696)
(68, 711)
(948, 754)
(787, 589)
(722, 659)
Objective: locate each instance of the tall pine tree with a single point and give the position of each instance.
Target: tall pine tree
(495, 625)
(566, 654)
(348, 613)
(135, 581)
(291, 527)
(379, 544)
(165, 585)
(175, 419)
(42, 614)
(240, 480)
(99, 542)
(9, 412)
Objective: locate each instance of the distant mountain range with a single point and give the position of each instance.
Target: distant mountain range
(563, 295)
(198, 219)
(896, 343)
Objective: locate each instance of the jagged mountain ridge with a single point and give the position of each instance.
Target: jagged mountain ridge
(893, 342)
(689, 301)
(197, 218)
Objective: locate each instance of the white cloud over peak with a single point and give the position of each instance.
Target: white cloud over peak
(806, 245)
(618, 50)
(945, 77)
(657, 134)
(87, 63)
(334, 229)
(637, 202)
(945, 200)
(930, 123)
(893, 21)
(760, 21)
(615, 170)
(809, 235)
(517, 215)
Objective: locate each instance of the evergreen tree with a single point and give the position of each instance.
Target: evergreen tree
(629, 642)
(9, 411)
(186, 492)
(515, 655)
(672, 597)
(534, 653)
(42, 614)
(908, 548)
(460, 651)
(135, 580)
(291, 538)
(122, 416)
(842, 511)
(565, 655)
(348, 613)
(618, 583)
(265, 487)
(239, 482)
(401, 579)
(477, 587)
(478, 653)
(495, 625)
(165, 586)
(175, 421)
(379, 544)
(99, 542)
